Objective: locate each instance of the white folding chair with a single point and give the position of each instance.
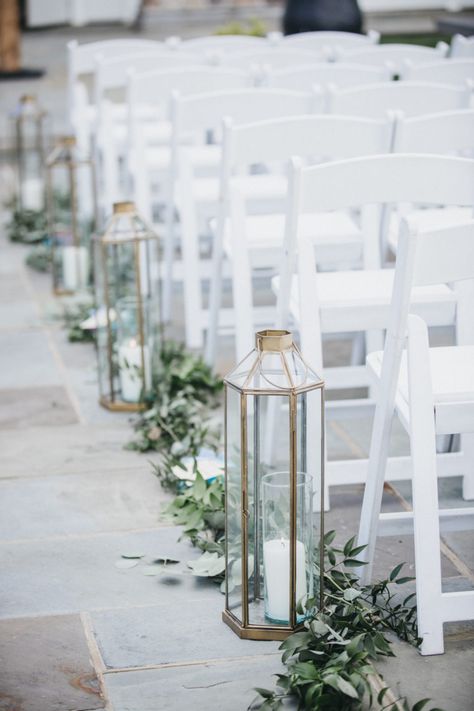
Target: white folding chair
(446, 133)
(326, 41)
(394, 55)
(432, 391)
(256, 241)
(445, 71)
(81, 61)
(359, 301)
(304, 78)
(197, 197)
(412, 98)
(462, 47)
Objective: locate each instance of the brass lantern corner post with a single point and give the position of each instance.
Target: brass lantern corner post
(127, 309)
(274, 462)
(72, 215)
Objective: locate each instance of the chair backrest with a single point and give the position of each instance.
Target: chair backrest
(82, 58)
(395, 55)
(270, 57)
(423, 179)
(226, 43)
(443, 133)
(462, 47)
(112, 73)
(317, 137)
(154, 88)
(446, 71)
(317, 41)
(205, 112)
(412, 98)
(341, 75)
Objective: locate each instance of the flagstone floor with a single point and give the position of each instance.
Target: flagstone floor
(78, 633)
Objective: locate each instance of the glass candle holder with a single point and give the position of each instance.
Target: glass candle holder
(277, 542)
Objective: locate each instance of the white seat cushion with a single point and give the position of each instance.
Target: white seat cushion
(360, 300)
(452, 373)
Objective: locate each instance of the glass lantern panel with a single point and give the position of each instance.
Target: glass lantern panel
(268, 454)
(233, 503)
(310, 502)
(29, 141)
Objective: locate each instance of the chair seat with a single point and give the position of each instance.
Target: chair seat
(427, 219)
(363, 297)
(335, 233)
(452, 376)
(201, 156)
(154, 131)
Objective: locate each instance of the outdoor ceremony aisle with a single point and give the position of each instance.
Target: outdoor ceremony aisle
(73, 501)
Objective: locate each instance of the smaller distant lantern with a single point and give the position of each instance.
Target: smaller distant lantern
(71, 204)
(128, 310)
(29, 126)
(274, 465)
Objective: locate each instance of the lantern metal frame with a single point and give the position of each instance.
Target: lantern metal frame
(276, 342)
(29, 110)
(110, 401)
(65, 155)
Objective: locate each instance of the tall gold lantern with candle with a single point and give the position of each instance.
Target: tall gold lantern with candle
(128, 308)
(274, 448)
(72, 214)
(29, 128)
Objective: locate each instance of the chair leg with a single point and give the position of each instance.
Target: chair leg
(191, 273)
(425, 492)
(378, 455)
(467, 446)
(215, 294)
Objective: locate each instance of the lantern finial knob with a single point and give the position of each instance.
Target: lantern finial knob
(273, 340)
(125, 206)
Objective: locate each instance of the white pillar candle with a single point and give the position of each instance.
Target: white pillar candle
(32, 194)
(130, 369)
(75, 267)
(276, 563)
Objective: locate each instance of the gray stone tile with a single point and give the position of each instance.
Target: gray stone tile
(172, 632)
(26, 360)
(77, 573)
(224, 686)
(79, 503)
(447, 679)
(44, 665)
(68, 449)
(22, 408)
(462, 543)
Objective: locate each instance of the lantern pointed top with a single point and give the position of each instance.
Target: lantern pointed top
(275, 366)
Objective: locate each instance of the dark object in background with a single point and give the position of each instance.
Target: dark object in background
(312, 15)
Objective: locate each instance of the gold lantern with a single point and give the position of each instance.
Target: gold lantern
(29, 125)
(127, 309)
(72, 209)
(274, 448)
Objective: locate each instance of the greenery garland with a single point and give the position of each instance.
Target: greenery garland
(177, 422)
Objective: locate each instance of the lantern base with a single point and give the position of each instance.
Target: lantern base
(121, 406)
(257, 633)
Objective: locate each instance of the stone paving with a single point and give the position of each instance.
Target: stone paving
(78, 633)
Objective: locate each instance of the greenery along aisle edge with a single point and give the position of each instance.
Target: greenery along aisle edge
(177, 422)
